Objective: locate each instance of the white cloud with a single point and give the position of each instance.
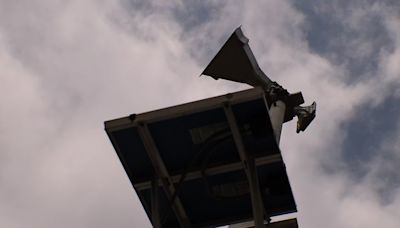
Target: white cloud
(69, 65)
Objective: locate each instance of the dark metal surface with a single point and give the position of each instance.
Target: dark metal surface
(236, 62)
(290, 223)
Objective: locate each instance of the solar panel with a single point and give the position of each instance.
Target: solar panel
(186, 161)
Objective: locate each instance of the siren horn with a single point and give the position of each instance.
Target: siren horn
(235, 62)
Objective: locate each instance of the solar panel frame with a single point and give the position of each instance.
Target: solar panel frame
(128, 127)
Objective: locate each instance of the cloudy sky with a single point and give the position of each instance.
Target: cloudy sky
(67, 66)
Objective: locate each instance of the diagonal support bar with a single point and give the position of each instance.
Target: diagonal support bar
(249, 167)
(162, 173)
(214, 171)
(155, 204)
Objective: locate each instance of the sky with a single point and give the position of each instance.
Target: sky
(68, 66)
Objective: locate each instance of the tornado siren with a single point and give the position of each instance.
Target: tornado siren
(216, 161)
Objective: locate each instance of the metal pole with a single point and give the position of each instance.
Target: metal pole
(277, 115)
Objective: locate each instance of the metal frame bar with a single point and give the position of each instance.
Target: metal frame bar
(163, 175)
(249, 168)
(214, 170)
(289, 223)
(184, 109)
(155, 204)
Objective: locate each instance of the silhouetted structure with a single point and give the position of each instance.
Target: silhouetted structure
(215, 161)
